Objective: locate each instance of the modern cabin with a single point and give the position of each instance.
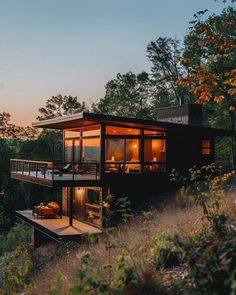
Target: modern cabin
(106, 154)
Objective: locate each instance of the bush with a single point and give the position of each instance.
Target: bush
(117, 210)
(164, 252)
(18, 268)
(205, 187)
(211, 260)
(19, 235)
(127, 281)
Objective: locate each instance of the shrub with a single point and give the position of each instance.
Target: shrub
(164, 252)
(205, 188)
(211, 260)
(117, 211)
(18, 268)
(127, 281)
(126, 275)
(18, 235)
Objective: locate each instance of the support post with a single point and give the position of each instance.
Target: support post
(71, 205)
(102, 152)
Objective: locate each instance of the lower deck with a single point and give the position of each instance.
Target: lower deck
(57, 228)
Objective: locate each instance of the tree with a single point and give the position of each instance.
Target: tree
(127, 95)
(58, 106)
(210, 52)
(9, 130)
(165, 55)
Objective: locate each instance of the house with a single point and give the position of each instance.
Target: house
(105, 155)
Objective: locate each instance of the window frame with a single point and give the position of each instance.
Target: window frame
(207, 148)
(141, 137)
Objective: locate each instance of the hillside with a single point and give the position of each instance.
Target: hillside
(184, 244)
(138, 242)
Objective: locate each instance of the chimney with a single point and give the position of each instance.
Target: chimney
(190, 114)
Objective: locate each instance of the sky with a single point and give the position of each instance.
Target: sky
(74, 47)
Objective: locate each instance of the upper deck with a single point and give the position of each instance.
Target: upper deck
(52, 174)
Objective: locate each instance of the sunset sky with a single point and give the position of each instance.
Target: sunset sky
(73, 47)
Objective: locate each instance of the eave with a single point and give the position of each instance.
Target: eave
(86, 119)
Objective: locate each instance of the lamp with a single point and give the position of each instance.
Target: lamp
(113, 158)
(154, 159)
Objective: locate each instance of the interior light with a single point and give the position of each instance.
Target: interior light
(114, 131)
(135, 146)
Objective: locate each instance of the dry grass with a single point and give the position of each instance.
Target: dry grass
(132, 238)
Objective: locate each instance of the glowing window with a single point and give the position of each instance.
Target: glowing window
(114, 130)
(154, 133)
(91, 131)
(206, 147)
(154, 150)
(72, 133)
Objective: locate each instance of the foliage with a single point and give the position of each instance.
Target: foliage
(4, 220)
(57, 285)
(165, 55)
(211, 260)
(164, 252)
(206, 189)
(210, 54)
(58, 106)
(18, 268)
(117, 210)
(127, 95)
(9, 130)
(126, 275)
(19, 235)
(87, 282)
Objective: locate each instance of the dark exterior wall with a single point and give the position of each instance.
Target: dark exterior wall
(184, 149)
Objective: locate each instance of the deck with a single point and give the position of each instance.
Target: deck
(51, 174)
(57, 228)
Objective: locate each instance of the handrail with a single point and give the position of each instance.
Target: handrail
(31, 161)
(50, 169)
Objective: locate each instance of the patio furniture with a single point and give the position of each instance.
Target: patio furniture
(52, 210)
(43, 211)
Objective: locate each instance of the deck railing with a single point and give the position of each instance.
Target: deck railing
(55, 170)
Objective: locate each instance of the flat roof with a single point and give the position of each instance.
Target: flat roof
(87, 119)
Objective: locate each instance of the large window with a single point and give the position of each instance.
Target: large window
(115, 150)
(125, 147)
(154, 155)
(68, 150)
(90, 149)
(82, 144)
(77, 150)
(154, 150)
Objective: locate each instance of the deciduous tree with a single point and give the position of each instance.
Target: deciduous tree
(210, 53)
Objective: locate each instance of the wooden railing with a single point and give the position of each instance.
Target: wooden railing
(55, 170)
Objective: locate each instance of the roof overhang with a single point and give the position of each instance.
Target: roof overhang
(87, 119)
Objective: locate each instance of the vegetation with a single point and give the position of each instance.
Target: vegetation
(59, 105)
(187, 246)
(175, 250)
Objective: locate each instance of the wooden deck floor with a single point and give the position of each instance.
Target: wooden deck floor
(57, 226)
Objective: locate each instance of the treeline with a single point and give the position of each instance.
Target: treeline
(199, 69)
